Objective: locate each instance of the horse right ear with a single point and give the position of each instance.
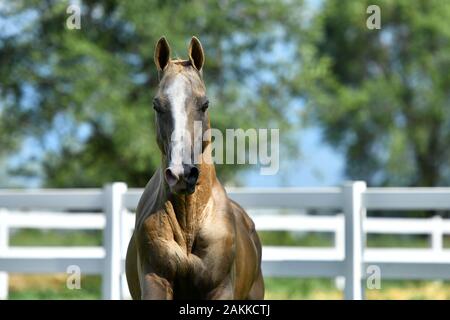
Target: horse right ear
(196, 54)
(162, 54)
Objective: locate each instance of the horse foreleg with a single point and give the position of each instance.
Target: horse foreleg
(221, 293)
(257, 290)
(154, 287)
(132, 270)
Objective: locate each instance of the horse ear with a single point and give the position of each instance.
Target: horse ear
(196, 54)
(162, 54)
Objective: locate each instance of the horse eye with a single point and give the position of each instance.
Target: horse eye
(205, 105)
(157, 105)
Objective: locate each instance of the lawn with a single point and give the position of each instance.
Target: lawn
(54, 287)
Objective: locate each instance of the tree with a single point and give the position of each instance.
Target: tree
(382, 96)
(84, 96)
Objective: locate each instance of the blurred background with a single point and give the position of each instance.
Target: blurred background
(351, 103)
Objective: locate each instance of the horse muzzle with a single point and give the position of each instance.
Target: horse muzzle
(181, 179)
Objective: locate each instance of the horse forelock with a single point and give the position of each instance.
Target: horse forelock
(184, 67)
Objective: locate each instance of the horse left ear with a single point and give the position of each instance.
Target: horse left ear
(196, 54)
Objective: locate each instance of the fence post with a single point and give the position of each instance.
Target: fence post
(355, 212)
(113, 207)
(4, 242)
(437, 235)
(339, 244)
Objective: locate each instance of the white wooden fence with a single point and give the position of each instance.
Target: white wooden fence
(348, 258)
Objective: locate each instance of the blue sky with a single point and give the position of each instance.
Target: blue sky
(318, 165)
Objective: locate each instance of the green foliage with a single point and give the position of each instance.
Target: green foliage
(382, 96)
(84, 96)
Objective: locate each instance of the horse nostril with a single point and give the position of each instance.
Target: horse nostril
(171, 177)
(192, 175)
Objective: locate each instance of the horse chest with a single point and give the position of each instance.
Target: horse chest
(197, 259)
(177, 249)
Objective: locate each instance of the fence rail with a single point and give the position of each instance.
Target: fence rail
(109, 209)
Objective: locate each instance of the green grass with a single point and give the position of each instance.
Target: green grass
(51, 294)
(285, 238)
(300, 289)
(33, 237)
(48, 287)
(447, 241)
(397, 241)
(44, 287)
(41, 287)
(312, 239)
(304, 289)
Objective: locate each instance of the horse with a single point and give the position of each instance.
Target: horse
(191, 241)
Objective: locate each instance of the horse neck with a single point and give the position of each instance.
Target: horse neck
(190, 209)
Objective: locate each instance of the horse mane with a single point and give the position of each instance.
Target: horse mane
(181, 62)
